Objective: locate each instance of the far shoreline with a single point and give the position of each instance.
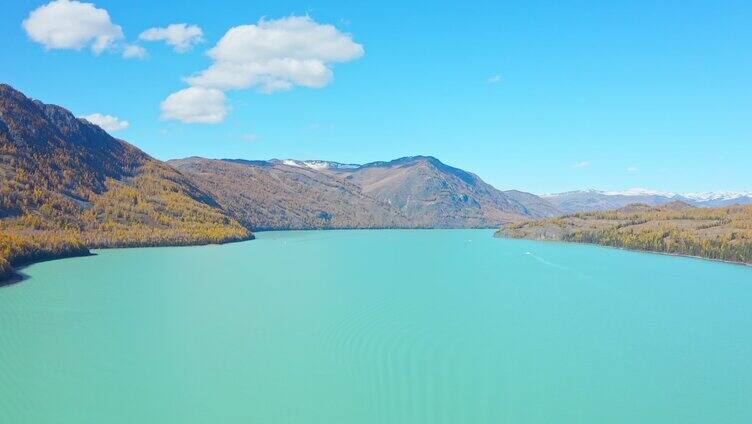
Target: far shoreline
(626, 249)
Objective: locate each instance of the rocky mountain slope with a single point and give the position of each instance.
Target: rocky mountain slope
(675, 227)
(432, 193)
(596, 200)
(412, 192)
(65, 185)
(266, 195)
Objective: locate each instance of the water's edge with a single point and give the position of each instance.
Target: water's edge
(654, 252)
(16, 275)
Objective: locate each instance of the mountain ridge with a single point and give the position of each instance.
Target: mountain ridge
(597, 200)
(408, 192)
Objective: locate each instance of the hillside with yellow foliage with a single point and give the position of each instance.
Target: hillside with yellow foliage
(66, 186)
(675, 228)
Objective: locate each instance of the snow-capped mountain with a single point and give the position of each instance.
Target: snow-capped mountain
(717, 195)
(318, 164)
(637, 192)
(593, 200)
(700, 197)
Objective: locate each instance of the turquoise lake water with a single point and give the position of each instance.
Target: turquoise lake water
(427, 326)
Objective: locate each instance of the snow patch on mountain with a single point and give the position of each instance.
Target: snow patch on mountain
(290, 162)
(717, 195)
(323, 164)
(639, 192)
(698, 196)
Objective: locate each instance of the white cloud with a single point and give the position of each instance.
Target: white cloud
(633, 169)
(195, 105)
(583, 164)
(277, 55)
(180, 36)
(249, 137)
(108, 123)
(133, 51)
(69, 24)
(270, 55)
(494, 79)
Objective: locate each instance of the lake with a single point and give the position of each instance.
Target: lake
(379, 326)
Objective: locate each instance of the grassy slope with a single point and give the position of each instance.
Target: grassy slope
(718, 233)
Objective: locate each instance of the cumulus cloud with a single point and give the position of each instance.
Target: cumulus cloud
(583, 164)
(269, 55)
(196, 105)
(494, 79)
(180, 36)
(108, 123)
(69, 24)
(277, 55)
(133, 51)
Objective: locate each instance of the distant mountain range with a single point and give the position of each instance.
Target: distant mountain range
(596, 200)
(410, 192)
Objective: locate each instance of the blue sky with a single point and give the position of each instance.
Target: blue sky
(537, 96)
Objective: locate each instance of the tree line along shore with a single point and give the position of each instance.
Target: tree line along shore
(723, 234)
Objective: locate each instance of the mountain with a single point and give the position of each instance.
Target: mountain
(266, 195)
(66, 185)
(595, 200)
(675, 227)
(411, 192)
(716, 199)
(431, 193)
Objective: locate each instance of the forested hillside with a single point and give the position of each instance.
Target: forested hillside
(66, 185)
(676, 228)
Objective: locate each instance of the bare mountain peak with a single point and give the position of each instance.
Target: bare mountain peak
(431, 162)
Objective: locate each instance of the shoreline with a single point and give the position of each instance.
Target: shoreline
(626, 249)
(16, 275)
(373, 229)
